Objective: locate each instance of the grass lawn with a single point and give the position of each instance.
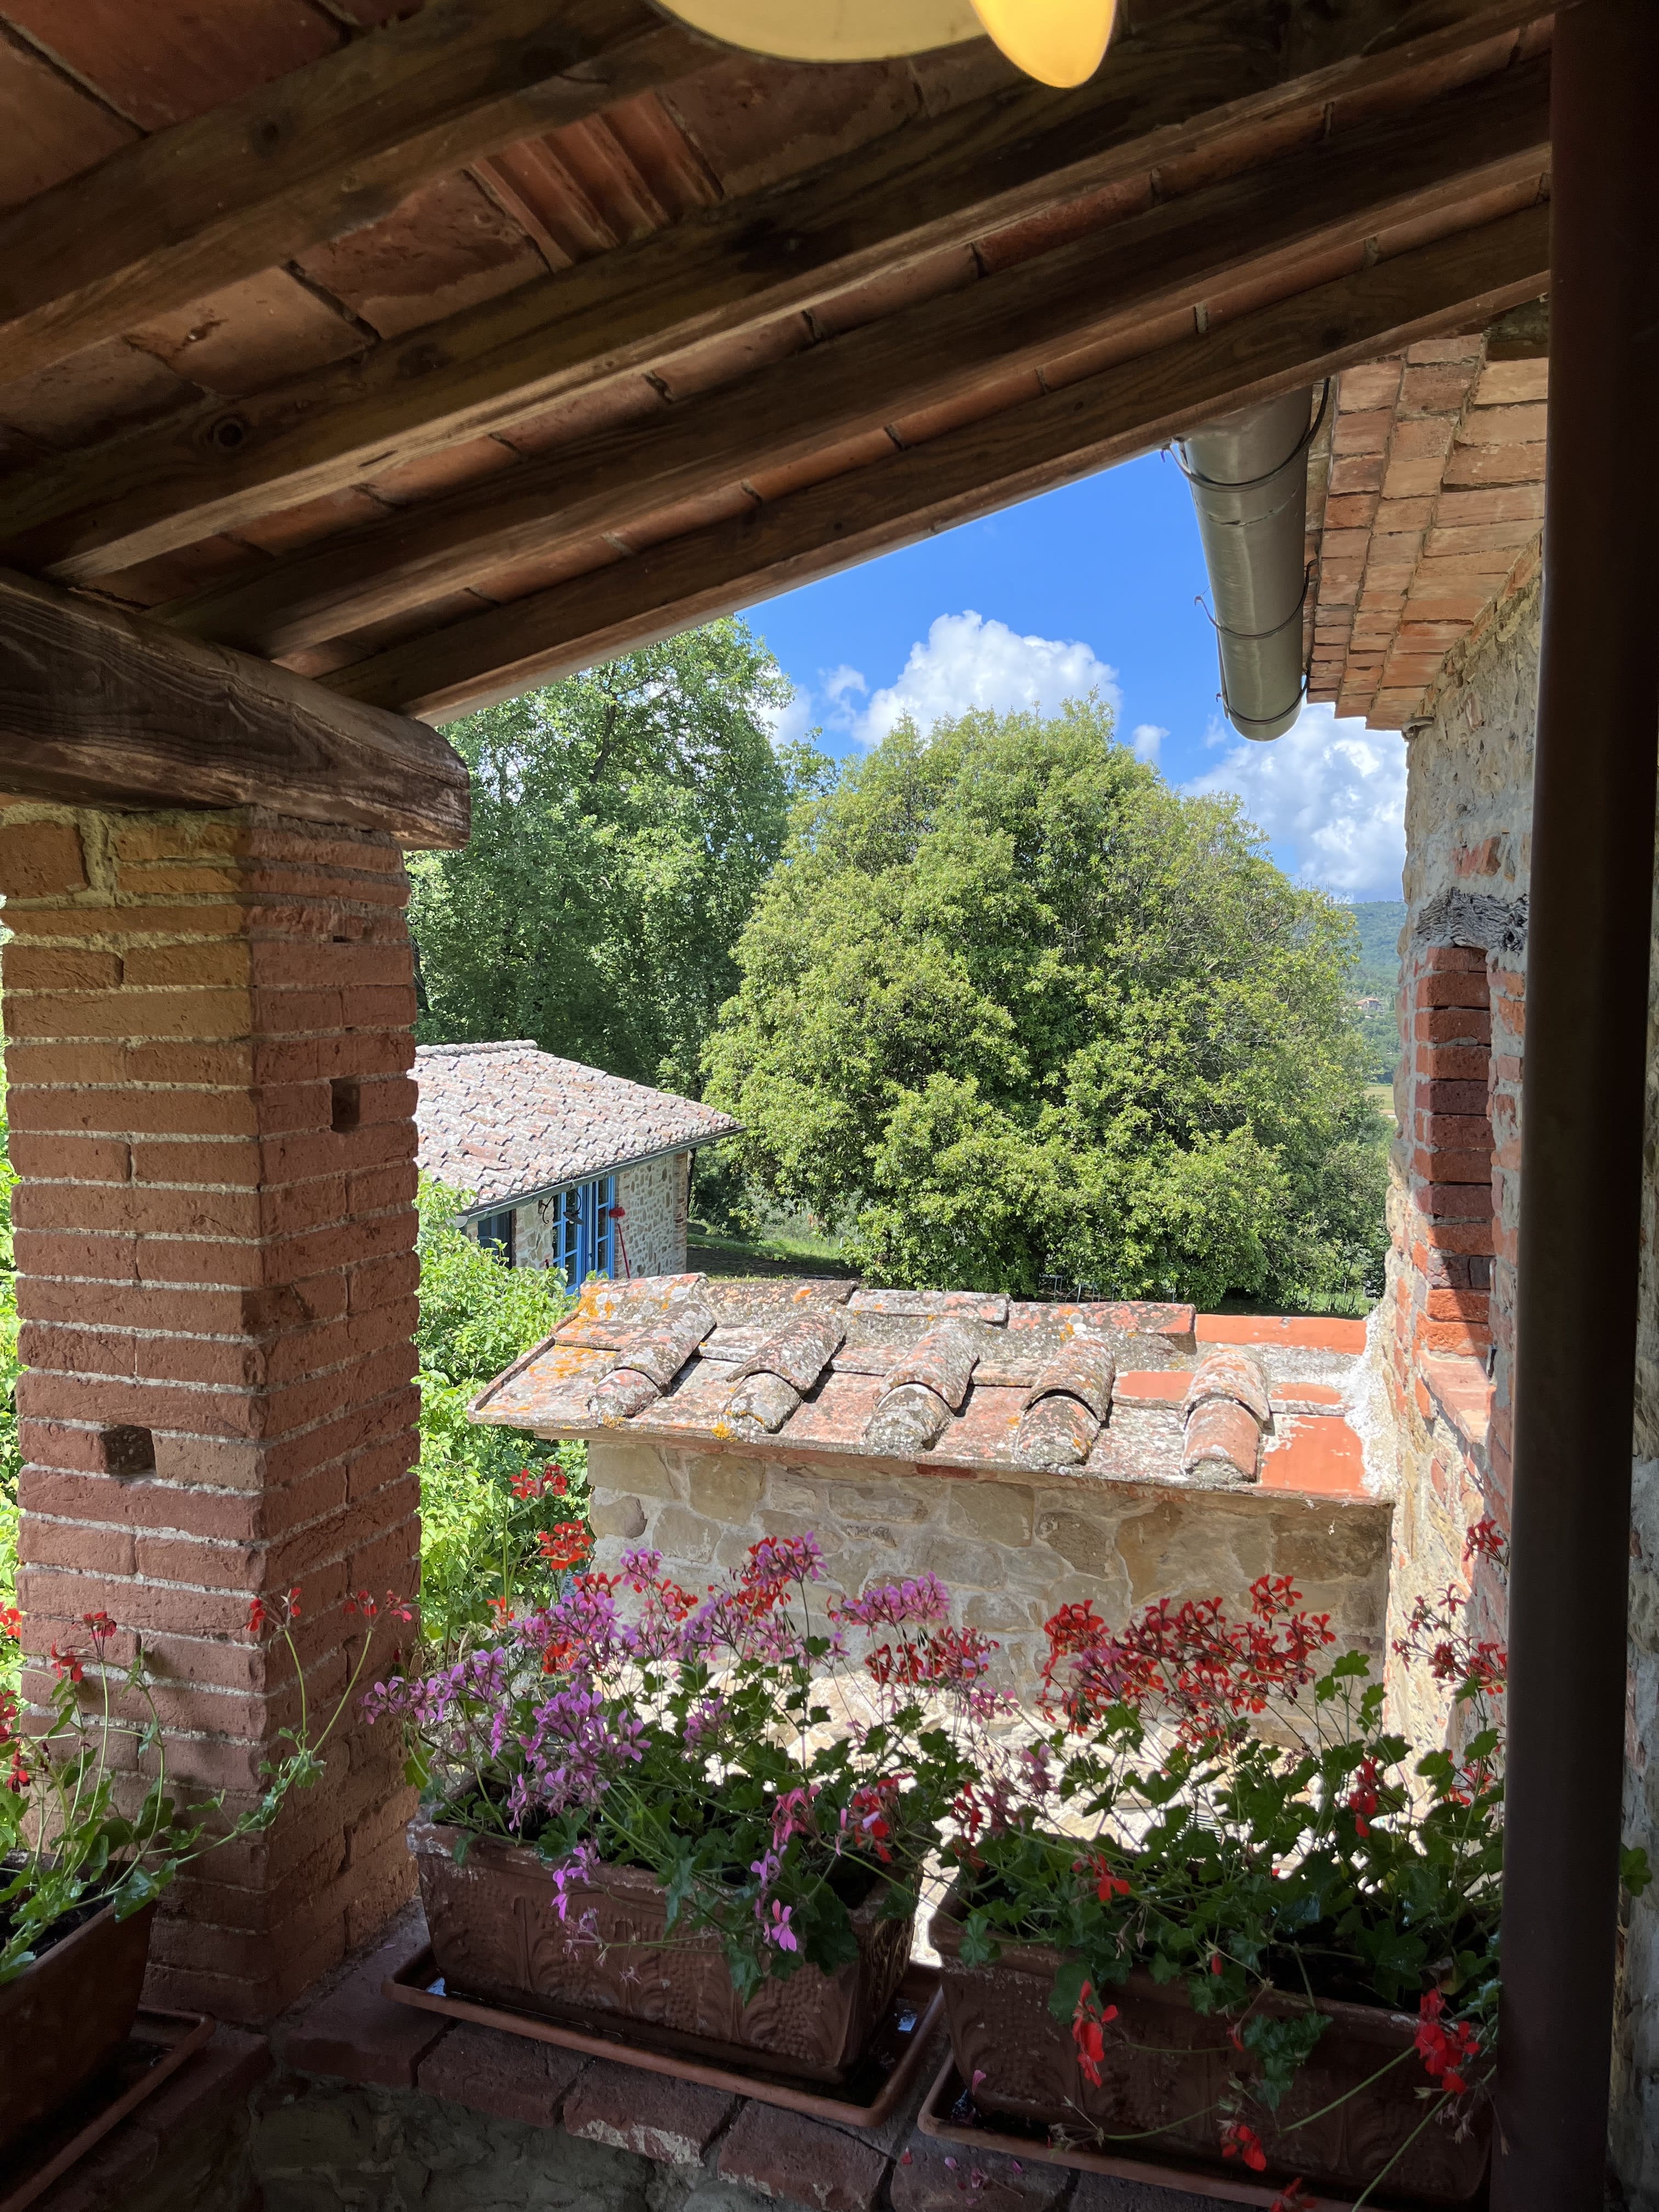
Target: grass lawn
(786, 1250)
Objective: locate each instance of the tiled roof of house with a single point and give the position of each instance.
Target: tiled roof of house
(965, 1383)
(505, 1119)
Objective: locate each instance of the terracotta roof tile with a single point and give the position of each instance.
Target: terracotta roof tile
(503, 1121)
(1028, 1388)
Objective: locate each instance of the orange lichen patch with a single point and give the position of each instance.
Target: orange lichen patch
(1303, 1331)
(1316, 1454)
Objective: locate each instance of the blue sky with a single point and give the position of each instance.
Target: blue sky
(1096, 585)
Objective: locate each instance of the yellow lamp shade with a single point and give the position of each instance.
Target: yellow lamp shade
(832, 30)
(1059, 42)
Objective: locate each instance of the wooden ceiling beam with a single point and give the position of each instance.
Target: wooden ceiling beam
(99, 709)
(1193, 88)
(1124, 411)
(321, 151)
(1251, 230)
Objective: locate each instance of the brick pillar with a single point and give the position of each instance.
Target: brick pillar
(208, 1039)
(1451, 1155)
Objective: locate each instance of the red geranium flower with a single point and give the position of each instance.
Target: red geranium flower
(65, 1663)
(1088, 2023)
(1293, 2199)
(1240, 2142)
(566, 1545)
(1445, 2051)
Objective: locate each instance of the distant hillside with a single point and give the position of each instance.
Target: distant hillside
(1377, 976)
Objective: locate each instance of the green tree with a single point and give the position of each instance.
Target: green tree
(1010, 1006)
(622, 823)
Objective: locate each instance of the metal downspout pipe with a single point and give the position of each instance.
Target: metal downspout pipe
(1248, 473)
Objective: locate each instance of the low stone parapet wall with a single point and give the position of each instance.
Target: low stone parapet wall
(1009, 1552)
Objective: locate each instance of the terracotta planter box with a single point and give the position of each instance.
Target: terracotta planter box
(64, 2018)
(1167, 2067)
(497, 1937)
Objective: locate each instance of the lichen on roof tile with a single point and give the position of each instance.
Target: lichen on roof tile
(1112, 1380)
(505, 1121)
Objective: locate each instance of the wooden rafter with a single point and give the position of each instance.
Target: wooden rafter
(1249, 231)
(103, 710)
(320, 151)
(1455, 282)
(1209, 84)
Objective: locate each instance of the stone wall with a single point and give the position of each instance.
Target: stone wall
(652, 1197)
(1469, 832)
(651, 1234)
(1635, 2056)
(1010, 1552)
(1445, 1338)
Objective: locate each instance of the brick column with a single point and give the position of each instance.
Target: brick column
(208, 1039)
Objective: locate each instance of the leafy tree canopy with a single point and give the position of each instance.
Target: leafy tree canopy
(1010, 1006)
(622, 823)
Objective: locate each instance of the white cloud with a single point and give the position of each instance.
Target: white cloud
(1145, 737)
(1330, 795)
(836, 683)
(969, 662)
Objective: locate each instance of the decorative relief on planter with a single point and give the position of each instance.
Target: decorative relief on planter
(496, 1935)
(1164, 2077)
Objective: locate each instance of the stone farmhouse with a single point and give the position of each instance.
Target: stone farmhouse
(365, 362)
(564, 1166)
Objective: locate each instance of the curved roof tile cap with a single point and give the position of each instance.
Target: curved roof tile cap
(508, 1121)
(772, 1382)
(821, 1373)
(1068, 1403)
(923, 1390)
(1226, 1408)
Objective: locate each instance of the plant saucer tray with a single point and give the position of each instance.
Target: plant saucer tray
(947, 2115)
(160, 2044)
(879, 2083)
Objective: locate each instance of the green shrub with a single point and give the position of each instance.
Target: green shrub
(478, 1538)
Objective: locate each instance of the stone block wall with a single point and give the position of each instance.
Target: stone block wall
(209, 1042)
(651, 1235)
(652, 1197)
(1010, 1552)
(1445, 1334)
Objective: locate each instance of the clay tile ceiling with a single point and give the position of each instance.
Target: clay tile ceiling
(1435, 510)
(498, 402)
